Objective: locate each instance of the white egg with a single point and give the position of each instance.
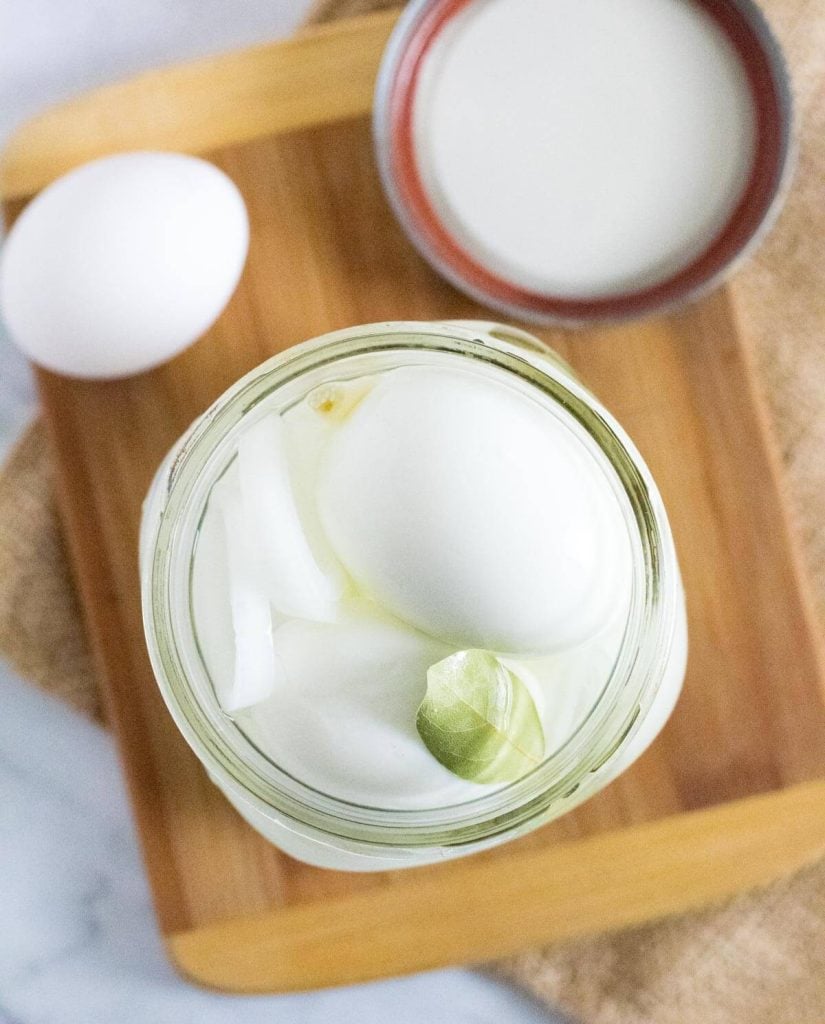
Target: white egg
(474, 514)
(120, 264)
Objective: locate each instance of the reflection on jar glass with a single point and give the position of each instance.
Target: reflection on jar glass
(442, 516)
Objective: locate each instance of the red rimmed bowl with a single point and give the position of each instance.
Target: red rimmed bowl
(468, 268)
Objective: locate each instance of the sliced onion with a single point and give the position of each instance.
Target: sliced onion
(257, 670)
(296, 584)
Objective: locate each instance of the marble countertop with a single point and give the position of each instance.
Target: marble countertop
(78, 942)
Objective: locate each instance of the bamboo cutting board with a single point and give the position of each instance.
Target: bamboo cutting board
(730, 796)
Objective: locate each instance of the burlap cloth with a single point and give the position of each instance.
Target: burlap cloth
(759, 959)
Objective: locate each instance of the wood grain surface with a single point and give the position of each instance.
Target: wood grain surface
(728, 796)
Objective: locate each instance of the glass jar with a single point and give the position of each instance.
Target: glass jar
(631, 708)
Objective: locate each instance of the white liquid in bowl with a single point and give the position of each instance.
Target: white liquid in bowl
(583, 148)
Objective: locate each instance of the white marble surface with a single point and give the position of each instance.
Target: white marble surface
(78, 944)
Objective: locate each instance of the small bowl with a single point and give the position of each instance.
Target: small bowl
(469, 267)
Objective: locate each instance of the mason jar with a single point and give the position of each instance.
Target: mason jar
(630, 709)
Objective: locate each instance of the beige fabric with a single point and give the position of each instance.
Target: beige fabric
(41, 632)
(759, 960)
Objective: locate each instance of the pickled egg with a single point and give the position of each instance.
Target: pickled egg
(473, 513)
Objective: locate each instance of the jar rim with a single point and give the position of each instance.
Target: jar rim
(166, 556)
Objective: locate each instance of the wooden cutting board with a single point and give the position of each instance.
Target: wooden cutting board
(730, 796)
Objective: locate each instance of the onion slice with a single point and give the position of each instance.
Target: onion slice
(257, 670)
(296, 584)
